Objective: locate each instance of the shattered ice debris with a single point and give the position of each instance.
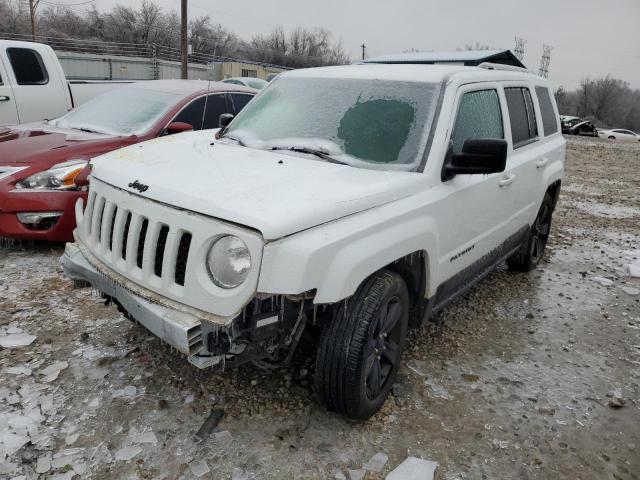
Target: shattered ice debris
(634, 269)
(52, 371)
(199, 469)
(437, 391)
(630, 290)
(127, 453)
(146, 437)
(413, 468)
(43, 465)
(605, 282)
(357, 474)
(18, 370)
(376, 463)
(128, 391)
(15, 340)
(11, 442)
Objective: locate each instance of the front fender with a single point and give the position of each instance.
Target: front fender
(336, 257)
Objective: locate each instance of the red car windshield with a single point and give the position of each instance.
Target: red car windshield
(121, 112)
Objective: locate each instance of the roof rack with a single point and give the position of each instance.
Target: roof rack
(499, 66)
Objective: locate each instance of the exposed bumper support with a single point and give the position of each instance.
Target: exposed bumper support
(181, 330)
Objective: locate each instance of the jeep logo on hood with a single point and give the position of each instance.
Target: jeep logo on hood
(139, 186)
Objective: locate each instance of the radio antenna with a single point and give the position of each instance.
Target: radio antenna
(206, 99)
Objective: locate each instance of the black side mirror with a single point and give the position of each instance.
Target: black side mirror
(480, 156)
(225, 120)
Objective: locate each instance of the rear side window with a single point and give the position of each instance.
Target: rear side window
(192, 114)
(28, 66)
(216, 106)
(240, 100)
(479, 116)
(549, 119)
(522, 116)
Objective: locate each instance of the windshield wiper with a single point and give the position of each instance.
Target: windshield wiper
(312, 151)
(235, 139)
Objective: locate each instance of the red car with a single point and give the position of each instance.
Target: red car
(40, 161)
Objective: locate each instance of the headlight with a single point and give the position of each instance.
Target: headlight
(58, 177)
(228, 261)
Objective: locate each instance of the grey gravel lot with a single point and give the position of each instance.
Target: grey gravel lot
(528, 376)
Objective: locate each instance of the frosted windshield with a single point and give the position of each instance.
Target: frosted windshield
(124, 111)
(371, 123)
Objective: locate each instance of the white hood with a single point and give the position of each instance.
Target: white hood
(275, 193)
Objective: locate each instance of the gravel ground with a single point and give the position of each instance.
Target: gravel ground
(527, 376)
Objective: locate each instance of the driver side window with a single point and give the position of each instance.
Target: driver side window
(479, 116)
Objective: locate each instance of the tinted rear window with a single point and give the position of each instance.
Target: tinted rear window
(549, 119)
(27, 66)
(521, 115)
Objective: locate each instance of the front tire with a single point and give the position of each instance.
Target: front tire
(531, 251)
(360, 350)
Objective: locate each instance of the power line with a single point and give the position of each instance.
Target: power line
(66, 4)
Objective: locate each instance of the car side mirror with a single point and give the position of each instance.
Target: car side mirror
(178, 127)
(479, 156)
(225, 119)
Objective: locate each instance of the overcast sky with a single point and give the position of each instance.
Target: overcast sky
(589, 37)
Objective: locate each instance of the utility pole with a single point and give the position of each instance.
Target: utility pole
(364, 47)
(33, 4)
(183, 40)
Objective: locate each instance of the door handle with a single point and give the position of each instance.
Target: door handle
(4, 98)
(507, 180)
(542, 162)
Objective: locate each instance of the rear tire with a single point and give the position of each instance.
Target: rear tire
(531, 251)
(611, 137)
(360, 349)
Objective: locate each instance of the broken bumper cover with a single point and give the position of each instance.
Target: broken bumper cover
(179, 329)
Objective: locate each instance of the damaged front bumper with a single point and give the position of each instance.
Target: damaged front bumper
(182, 330)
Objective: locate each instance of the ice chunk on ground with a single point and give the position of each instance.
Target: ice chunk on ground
(357, 474)
(16, 340)
(43, 465)
(10, 443)
(52, 371)
(18, 370)
(437, 391)
(376, 463)
(605, 282)
(339, 475)
(630, 290)
(634, 269)
(146, 437)
(199, 469)
(127, 453)
(71, 439)
(414, 468)
(128, 391)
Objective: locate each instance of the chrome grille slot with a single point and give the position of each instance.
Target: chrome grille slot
(182, 257)
(141, 239)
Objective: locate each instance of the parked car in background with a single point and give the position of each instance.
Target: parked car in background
(33, 85)
(40, 161)
(619, 134)
(250, 82)
(349, 201)
(577, 126)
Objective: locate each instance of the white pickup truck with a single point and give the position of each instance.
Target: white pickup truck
(348, 202)
(33, 86)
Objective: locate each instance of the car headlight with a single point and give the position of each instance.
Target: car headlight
(228, 261)
(58, 177)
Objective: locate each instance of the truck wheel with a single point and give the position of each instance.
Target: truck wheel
(360, 350)
(531, 251)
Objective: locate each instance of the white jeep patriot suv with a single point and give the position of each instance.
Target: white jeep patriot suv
(351, 202)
